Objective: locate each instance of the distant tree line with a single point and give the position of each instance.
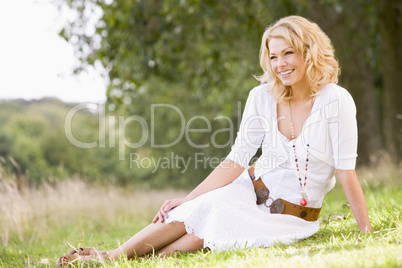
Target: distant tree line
(34, 145)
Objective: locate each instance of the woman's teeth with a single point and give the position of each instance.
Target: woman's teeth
(286, 73)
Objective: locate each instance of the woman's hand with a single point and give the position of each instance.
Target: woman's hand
(167, 206)
(355, 196)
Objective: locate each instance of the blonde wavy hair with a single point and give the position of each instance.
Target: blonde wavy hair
(311, 43)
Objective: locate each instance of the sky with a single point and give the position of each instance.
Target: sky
(35, 62)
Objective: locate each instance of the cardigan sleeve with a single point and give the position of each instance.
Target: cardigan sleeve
(343, 129)
(251, 132)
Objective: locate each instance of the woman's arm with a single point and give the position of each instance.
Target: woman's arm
(222, 175)
(355, 196)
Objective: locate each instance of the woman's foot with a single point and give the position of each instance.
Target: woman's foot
(80, 255)
(88, 251)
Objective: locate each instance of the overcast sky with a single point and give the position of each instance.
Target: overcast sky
(35, 62)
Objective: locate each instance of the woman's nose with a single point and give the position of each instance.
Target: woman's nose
(281, 61)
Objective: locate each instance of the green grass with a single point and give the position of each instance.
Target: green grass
(39, 224)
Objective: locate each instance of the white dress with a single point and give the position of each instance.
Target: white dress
(229, 217)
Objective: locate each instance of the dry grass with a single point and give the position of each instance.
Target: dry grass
(383, 173)
(29, 212)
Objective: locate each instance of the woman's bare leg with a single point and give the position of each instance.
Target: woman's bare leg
(153, 237)
(187, 243)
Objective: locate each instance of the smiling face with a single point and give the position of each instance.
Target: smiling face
(287, 64)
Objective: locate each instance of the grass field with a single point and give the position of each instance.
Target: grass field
(39, 225)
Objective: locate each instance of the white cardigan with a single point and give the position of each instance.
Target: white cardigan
(333, 137)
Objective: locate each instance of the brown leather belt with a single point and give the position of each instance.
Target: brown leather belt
(279, 205)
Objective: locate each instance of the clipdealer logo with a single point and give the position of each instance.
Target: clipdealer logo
(114, 127)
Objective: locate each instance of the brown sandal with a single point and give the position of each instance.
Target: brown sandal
(68, 259)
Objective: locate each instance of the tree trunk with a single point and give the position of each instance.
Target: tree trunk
(389, 20)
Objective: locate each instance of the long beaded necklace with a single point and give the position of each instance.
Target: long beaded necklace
(303, 201)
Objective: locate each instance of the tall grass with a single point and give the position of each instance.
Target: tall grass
(39, 224)
(30, 213)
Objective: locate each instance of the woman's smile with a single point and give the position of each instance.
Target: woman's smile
(285, 74)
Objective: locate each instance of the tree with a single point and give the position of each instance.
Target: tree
(390, 28)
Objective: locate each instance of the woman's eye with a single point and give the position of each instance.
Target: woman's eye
(288, 52)
(273, 57)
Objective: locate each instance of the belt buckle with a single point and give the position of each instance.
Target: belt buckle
(276, 207)
(262, 196)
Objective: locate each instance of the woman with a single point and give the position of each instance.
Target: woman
(306, 125)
